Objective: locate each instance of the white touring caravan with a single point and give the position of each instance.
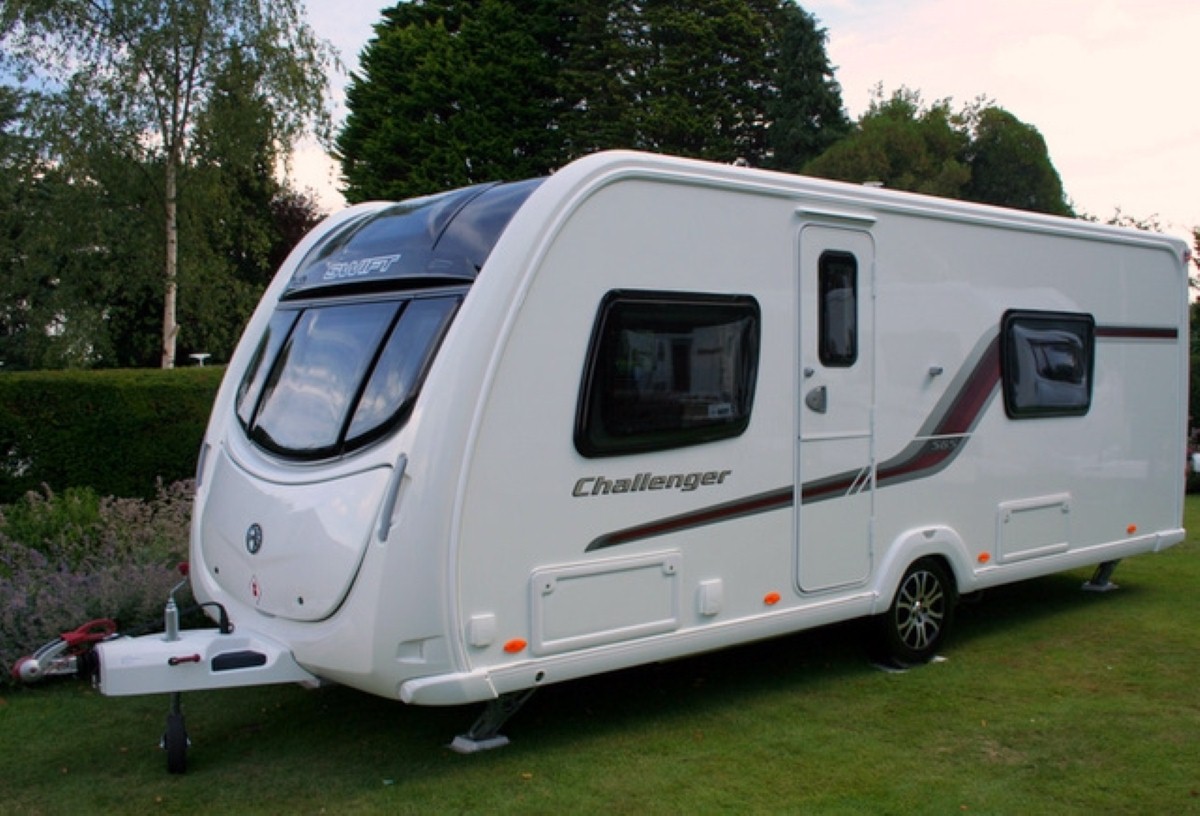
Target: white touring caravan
(515, 434)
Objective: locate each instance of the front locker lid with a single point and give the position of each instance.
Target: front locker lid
(289, 550)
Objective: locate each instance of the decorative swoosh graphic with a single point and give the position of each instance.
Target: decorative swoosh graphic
(937, 443)
(1137, 332)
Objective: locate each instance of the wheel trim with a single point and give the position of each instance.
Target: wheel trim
(920, 610)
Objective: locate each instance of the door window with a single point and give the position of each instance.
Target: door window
(837, 316)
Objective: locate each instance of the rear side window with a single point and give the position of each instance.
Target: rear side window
(328, 378)
(1047, 361)
(666, 370)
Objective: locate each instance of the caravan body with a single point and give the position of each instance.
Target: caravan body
(647, 407)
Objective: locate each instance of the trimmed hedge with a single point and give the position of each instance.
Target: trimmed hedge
(117, 432)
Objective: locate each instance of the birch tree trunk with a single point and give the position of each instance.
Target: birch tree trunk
(170, 330)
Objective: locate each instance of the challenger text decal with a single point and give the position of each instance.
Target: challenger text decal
(687, 482)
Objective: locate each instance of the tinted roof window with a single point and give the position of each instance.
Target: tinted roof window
(438, 239)
(469, 237)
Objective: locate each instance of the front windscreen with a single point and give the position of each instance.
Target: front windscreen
(343, 357)
(330, 377)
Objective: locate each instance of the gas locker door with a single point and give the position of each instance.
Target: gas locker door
(835, 456)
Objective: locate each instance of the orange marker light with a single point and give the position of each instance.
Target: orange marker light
(771, 598)
(1131, 529)
(984, 557)
(515, 645)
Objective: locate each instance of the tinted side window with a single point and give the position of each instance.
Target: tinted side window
(1047, 360)
(837, 274)
(667, 370)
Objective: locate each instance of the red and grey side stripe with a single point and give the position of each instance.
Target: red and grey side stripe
(936, 445)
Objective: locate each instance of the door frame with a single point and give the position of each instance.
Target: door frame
(834, 456)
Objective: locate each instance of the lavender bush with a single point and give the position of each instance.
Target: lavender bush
(69, 558)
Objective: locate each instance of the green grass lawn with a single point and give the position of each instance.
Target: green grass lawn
(1051, 700)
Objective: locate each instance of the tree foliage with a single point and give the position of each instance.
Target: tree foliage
(451, 93)
(81, 245)
(902, 144)
(1010, 164)
(83, 288)
(807, 116)
(128, 79)
(446, 98)
(981, 153)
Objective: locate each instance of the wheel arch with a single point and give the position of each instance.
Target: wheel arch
(938, 542)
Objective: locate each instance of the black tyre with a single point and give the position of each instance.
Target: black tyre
(914, 627)
(175, 743)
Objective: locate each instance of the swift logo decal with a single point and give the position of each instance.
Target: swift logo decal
(364, 267)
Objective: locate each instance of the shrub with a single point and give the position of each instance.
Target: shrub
(114, 431)
(69, 558)
(48, 521)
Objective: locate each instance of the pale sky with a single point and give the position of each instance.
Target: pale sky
(1108, 83)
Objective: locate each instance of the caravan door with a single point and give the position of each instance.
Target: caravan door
(835, 472)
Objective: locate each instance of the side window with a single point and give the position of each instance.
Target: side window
(666, 370)
(837, 315)
(1046, 361)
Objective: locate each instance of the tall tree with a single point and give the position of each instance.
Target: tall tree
(902, 144)
(806, 116)
(452, 92)
(702, 75)
(58, 236)
(231, 185)
(13, 160)
(1010, 165)
(134, 72)
(982, 153)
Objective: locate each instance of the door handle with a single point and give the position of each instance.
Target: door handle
(817, 399)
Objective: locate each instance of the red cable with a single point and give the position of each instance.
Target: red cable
(91, 632)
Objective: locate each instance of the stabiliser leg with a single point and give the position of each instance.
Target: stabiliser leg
(485, 734)
(1101, 578)
(175, 739)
